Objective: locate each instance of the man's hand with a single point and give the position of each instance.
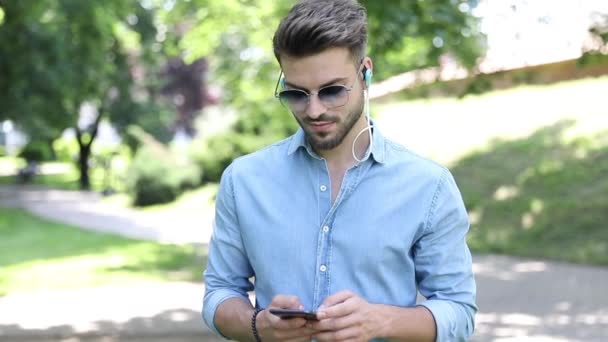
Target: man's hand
(345, 316)
(273, 328)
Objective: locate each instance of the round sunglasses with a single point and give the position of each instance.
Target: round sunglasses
(297, 100)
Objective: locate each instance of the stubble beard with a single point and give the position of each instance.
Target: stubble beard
(318, 141)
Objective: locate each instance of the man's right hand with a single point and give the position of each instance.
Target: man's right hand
(274, 328)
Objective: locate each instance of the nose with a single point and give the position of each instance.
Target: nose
(315, 107)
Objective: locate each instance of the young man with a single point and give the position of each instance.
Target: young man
(337, 219)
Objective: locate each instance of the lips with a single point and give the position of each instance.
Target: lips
(322, 126)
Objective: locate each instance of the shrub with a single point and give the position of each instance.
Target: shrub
(213, 155)
(66, 149)
(156, 176)
(36, 151)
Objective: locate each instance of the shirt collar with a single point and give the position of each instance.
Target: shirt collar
(298, 140)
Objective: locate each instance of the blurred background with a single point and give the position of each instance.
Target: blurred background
(118, 117)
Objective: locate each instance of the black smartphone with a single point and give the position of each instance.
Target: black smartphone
(291, 313)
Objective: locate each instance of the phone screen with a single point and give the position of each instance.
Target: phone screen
(290, 313)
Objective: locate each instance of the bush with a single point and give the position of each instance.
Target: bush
(248, 134)
(156, 177)
(213, 155)
(36, 151)
(66, 149)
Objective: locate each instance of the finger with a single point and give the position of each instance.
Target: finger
(334, 324)
(338, 310)
(288, 324)
(285, 302)
(337, 297)
(304, 334)
(306, 338)
(338, 335)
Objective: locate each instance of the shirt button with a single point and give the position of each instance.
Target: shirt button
(323, 188)
(323, 268)
(325, 229)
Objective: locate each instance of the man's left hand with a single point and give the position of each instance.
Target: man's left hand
(345, 316)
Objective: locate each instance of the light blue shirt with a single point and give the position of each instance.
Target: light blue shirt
(397, 225)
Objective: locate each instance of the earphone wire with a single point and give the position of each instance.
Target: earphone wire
(368, 129)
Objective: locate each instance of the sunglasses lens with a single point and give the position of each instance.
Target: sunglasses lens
(333, 96)
(294, 99)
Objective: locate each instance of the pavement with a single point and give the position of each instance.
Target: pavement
(519, 299)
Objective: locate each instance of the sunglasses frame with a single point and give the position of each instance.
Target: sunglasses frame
(277, 93)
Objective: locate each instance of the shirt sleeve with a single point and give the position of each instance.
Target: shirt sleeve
(443, 264)
(228, 269)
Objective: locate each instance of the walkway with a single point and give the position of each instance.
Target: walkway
(519, 299)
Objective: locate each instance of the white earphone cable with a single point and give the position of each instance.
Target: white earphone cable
(368, 129)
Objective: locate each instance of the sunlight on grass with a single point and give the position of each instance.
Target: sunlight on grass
(531, 163)
(446, 129)
(10, 165)
(39, 255)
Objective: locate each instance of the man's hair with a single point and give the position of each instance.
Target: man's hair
(313, 26)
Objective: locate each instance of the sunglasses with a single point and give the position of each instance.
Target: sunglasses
(298, 100)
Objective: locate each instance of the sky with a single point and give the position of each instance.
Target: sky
(530, 32)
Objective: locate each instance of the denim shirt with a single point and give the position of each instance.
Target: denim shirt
(398, 225)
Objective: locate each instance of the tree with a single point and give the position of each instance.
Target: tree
(187, 88)
(56, 55)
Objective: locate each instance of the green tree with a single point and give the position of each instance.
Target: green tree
(56, 55)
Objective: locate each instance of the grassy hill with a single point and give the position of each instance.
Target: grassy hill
(531, 162)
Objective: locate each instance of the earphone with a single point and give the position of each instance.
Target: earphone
(367, 78)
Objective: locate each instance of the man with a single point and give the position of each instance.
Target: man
(337, 219)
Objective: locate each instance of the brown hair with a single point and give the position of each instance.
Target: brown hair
(315, 25)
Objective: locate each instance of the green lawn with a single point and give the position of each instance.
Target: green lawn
(56, 175)
(38, 254)
(531, 162)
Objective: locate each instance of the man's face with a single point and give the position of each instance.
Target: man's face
(325, 128)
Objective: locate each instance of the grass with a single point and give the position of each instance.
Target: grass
(531, 162)
(38, 254)
(58, 175)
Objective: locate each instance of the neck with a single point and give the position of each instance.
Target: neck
(342, 156)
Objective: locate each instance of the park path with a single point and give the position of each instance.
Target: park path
(519, 299)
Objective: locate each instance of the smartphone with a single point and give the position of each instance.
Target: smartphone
(291, 313)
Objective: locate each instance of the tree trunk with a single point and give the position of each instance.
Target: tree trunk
(83, 165)
(85, 150)
(49, 141)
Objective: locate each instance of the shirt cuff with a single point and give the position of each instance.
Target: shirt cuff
(212, 301)
(447, 320)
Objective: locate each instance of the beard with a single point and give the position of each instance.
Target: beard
(325, 141)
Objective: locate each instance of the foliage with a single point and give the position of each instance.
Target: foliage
(214, 154)
(91, 48)
(66, 149)
(36, 151)
(406, 35)
(187, 88)
(158, 176)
